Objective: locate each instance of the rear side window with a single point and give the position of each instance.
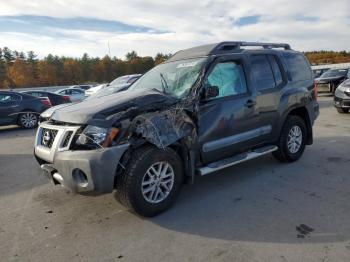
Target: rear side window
(76, 91)
(262, 72)
(297, 66)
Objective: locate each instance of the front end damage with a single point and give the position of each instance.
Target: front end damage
(84, 170)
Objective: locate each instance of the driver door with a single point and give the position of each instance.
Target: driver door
(9, 104)
(228, 123)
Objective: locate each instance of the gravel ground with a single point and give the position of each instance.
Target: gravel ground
(260, 210)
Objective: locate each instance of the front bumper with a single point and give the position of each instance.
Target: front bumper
(80, 171)
(85, 171)
(341, 100)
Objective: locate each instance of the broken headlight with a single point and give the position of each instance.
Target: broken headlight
(94, 136)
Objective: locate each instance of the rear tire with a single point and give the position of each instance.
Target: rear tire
(28, 120)
(342, 110)
(292, 141)
(145, 190)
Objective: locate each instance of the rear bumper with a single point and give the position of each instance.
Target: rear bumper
(85, 171)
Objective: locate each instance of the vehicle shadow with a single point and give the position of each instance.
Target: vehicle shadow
(267, 201)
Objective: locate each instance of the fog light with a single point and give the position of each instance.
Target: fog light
(80, 178)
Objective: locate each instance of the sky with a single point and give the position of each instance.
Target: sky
(74, 27)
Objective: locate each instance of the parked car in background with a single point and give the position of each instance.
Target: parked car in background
(119, 84)
(95, 89)
(203, 110)
(342, 97)
(75, 94)
(330, 79)
(55, 99)
(125, 81)
(108, 90)
(84, 87)
(21, 109)
(319, 72)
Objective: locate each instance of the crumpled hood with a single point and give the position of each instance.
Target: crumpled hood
(326, 80)
(100, 108)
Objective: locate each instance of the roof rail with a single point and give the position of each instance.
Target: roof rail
(226, 46)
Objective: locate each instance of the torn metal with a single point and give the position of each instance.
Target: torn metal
(164, 128)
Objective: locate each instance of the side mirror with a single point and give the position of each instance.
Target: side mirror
(211, 91)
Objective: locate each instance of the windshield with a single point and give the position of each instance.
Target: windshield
(334, 73)
(174, 78)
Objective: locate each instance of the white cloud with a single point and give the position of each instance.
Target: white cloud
(188, 23)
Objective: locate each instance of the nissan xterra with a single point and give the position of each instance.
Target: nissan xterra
(205, 109)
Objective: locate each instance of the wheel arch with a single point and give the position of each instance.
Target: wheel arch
(25, 110)
(303, 113)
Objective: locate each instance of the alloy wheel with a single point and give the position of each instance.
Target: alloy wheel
(157, 182)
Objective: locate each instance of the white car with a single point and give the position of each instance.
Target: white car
(75, 94)
(95, 89)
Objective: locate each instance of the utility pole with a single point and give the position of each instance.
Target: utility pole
(109, 50)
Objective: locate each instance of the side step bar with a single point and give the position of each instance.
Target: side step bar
(231, 161)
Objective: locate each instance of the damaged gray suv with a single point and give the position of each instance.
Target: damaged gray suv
(205, 109)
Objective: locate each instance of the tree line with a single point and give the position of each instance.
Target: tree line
(328, 57)
(19, 69)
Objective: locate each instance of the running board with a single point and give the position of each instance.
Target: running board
(231, 161)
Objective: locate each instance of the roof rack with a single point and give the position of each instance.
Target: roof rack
(227, 46)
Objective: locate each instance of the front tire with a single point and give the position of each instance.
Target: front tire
(151, 181)
(342, 110)
(28, 120)
(292, 141)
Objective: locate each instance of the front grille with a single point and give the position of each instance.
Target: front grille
(48, 137)
(67, 138)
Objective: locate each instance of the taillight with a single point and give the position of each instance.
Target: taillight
(46, 102)
(66, 99)
(315, 90)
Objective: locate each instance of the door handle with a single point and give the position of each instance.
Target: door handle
(250, 103)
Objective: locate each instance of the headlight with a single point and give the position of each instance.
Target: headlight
(92, 134)
(344, 88)
(97, 136)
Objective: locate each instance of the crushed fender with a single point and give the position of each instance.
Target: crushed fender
(164, 128)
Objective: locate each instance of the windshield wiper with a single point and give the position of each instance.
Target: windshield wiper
(164, 83)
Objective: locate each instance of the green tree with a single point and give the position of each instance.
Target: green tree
(33, 61)
(131, 55)
(3, 70)
(7, 53)
(85, 64)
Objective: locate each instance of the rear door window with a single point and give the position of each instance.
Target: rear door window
(262, 72)
(298, 67)
(76, 91)
(9, 98)
(275, 69)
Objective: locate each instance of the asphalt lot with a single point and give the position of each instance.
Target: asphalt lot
(255, 211)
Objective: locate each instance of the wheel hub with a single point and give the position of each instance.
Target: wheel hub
(157, 182)
(295, 138)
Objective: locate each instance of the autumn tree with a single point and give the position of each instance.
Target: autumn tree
(21, 73)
